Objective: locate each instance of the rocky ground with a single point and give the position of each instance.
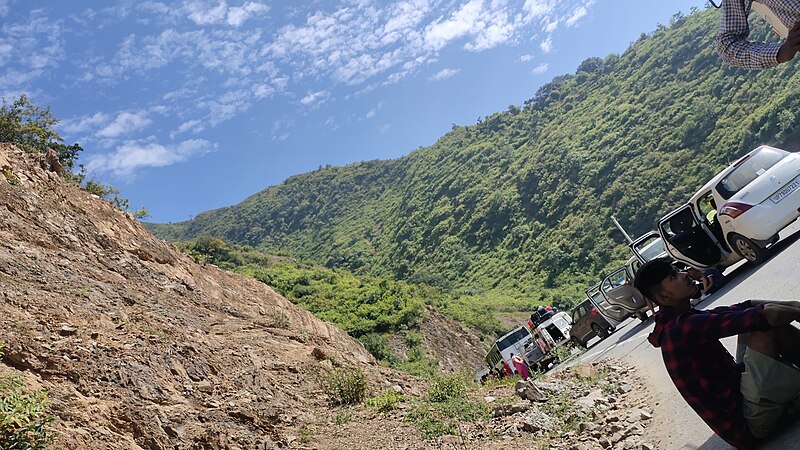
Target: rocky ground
(602, 406)
(139, 347)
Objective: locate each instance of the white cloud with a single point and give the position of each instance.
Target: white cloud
(330, 123)
(384, 128)
(204, 13)
(232, 54)
(374, 111)
(440, 33)
(238, 15)
(538, 8)
(195, 126)
(540, 69)
(403, 18)
(30, 48)
(263, 90)
(315, 98)
(18, 79)
(444, 74)
(280, 130)
(547, 45)
(84, 124)
(226, 106)
(125, 123)
(577, 15)
(137, 154)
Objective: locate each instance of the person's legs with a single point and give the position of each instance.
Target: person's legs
(770, 383)
(780, 343)
(788, 348)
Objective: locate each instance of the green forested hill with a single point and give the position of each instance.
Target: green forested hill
(520, 202)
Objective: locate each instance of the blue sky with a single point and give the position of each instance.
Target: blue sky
(192, 105)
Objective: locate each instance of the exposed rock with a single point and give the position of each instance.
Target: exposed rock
(67, 330)
(137, 345)
(528, 390)
(507, 410)
(535, 420)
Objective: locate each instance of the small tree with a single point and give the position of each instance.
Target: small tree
(108, 193)
(30, 127)
(141, 213)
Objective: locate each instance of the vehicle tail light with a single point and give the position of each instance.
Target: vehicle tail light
(594, 311)
(734, 209)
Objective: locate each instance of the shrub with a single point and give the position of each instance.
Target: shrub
(23, 422)
(378, 347)
(445, 388)
(142, 213)
(386, 402)
(428, 423)
(343, 417)
(346, 386)
(106, 192)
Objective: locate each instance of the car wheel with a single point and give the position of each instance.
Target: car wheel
(747, 249)
(600, 331)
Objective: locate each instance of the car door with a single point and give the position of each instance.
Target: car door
(579, 328)
(688, 240)
(615, 312)
(648, 246)
(617, 288)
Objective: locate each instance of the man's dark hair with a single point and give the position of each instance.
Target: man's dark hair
(649, 277)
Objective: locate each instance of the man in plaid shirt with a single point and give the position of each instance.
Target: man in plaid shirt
(742, 402)
(732, 42)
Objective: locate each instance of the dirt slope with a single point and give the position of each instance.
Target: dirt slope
(140, 347)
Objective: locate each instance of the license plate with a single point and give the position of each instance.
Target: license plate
(788, 189)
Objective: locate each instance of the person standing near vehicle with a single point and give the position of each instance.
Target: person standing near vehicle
(520, 366)
(743, 400)
(507, 369)
(733, 46)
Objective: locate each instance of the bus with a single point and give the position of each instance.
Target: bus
(517, 341)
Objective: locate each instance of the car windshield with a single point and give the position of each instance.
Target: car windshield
(748, 170)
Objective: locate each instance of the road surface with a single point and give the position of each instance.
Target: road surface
(675, 425)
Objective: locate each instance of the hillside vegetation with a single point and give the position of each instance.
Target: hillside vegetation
(518, 205)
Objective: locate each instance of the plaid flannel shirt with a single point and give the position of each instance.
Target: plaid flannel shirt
(704, 372)
(732, 43)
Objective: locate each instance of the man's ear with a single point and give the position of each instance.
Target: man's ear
(659, 298)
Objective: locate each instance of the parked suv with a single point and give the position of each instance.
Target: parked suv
(737, 214)
(587, 323)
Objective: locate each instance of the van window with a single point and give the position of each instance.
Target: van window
(512, 338)
(748, 170)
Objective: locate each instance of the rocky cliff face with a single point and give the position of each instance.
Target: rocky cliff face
(139, 346)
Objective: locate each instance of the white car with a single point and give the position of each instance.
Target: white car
(737, 214)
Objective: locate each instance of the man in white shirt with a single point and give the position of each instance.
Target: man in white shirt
(732, 43)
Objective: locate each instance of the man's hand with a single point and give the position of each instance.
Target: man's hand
(780, 313)
(707, 284)
(791, 46)
(694, 274)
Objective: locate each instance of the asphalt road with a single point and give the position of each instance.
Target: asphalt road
(675, 425)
